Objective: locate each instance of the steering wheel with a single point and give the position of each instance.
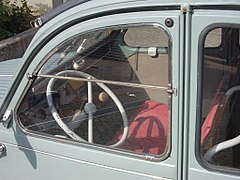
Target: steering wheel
(89, 108)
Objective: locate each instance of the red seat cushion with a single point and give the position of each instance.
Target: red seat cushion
(207, 125)
(148, 129)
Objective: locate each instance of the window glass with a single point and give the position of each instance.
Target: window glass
(213, 38)
(135, 38)
(119, 102)
(220, 102)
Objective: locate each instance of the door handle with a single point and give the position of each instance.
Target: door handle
(3, 149)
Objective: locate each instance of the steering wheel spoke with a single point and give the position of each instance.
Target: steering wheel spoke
(89, 108)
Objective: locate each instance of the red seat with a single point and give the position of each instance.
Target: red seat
(148, 129)
(207, 125)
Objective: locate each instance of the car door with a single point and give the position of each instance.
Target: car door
(214, 99)
(98, 99)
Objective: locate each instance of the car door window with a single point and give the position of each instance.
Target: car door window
(220, 130)
(107, 87)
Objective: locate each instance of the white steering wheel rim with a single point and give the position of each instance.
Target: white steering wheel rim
(64, 127)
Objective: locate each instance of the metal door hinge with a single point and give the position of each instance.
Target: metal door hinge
(7, 117)
(3, 149)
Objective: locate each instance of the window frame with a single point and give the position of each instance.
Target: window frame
(201, 42)
(154, 158)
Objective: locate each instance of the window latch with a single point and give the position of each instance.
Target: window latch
(171, 90)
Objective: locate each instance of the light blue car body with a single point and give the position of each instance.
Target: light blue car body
(31, 157)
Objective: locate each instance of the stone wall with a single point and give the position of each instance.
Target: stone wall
(15, 46)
